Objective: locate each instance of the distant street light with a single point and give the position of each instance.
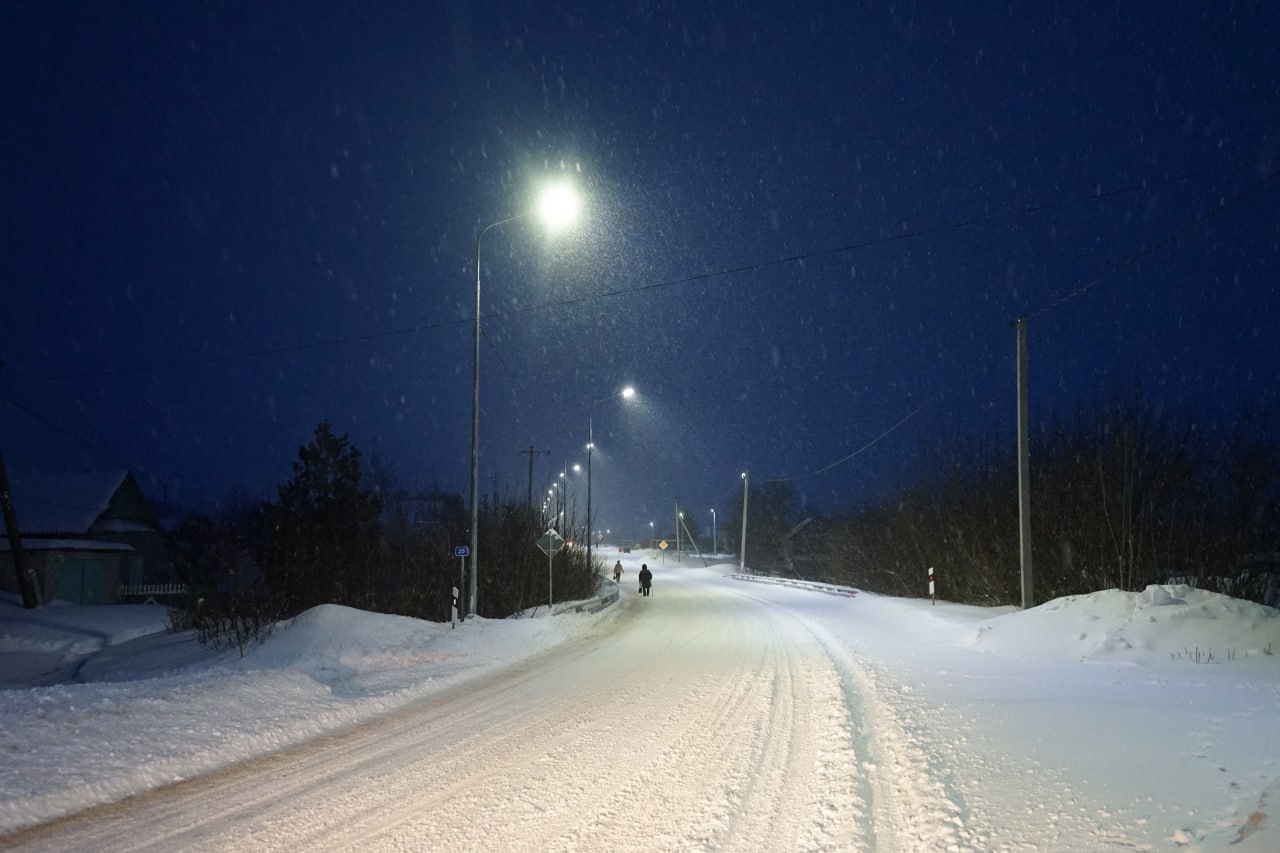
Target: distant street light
(679, 524)
(626, 394)
(713, 530)
(742, 552)
(557, 207)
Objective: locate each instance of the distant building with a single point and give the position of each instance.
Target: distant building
(85, 536)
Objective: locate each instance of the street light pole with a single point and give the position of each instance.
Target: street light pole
(677, 530)
(475, 423)
(564, 501)
(557, 206)
(626, 393)
(713, 530)
(742, 552)
(590, 447)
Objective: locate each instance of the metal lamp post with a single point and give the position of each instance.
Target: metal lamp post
(713, 530)
(557, 207)
(626, 394)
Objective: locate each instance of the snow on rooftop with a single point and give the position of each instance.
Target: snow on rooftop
(61, 503)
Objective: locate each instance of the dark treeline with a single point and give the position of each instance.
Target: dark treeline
(1122, 496)
(338, 534)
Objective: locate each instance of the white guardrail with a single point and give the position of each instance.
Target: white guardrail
(591, 605)
(814, 586)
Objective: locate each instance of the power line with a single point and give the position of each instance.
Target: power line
(917, 410)
(1199, 219)
(89, 445)
(1141, 186)
(1202, 217)
(1146, 252)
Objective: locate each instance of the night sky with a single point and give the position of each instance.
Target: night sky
(224, 222)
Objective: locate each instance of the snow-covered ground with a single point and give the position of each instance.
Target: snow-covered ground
(1110, 720)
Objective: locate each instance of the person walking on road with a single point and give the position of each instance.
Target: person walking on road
(646, 579)
(617, 571)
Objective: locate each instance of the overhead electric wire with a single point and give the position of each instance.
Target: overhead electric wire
(917, 410)
(93, 447)
(1142, 254)
(1142, 186)
(1147, 251)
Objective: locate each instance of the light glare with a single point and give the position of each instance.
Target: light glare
(558, 206)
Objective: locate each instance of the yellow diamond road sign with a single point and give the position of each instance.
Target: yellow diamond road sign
(663, 545)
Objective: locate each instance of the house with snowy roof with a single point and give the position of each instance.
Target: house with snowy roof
(86, 536)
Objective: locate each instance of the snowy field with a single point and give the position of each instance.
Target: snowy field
(1114, 720)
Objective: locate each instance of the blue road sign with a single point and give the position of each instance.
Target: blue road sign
(461, 551)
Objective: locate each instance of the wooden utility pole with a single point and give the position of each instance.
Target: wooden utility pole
(26, 582)
(532, 453)
(1024, 469)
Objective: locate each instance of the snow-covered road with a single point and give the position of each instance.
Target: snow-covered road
(718, 714)
(701, 717)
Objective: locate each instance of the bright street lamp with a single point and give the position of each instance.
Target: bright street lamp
(557, 206)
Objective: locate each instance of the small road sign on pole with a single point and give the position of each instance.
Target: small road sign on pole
(550, 542)
(461, 552)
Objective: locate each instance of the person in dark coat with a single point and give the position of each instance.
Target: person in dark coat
(646, 578)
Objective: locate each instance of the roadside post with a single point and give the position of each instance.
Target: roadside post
(931, 599)
(550, 542)
(461, 552)
(453, 610)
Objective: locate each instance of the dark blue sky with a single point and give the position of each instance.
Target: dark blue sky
(225, 222)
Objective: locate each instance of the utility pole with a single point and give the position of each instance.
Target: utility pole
(532, 453)
(26, 581)
(677, 529)
(746, 492)
(1024, 469)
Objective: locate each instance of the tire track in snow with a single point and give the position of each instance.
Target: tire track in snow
(913, 804)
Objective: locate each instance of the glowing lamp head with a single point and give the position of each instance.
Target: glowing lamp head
(559, 206)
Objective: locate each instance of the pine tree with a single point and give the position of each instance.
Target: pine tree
(325, 533)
